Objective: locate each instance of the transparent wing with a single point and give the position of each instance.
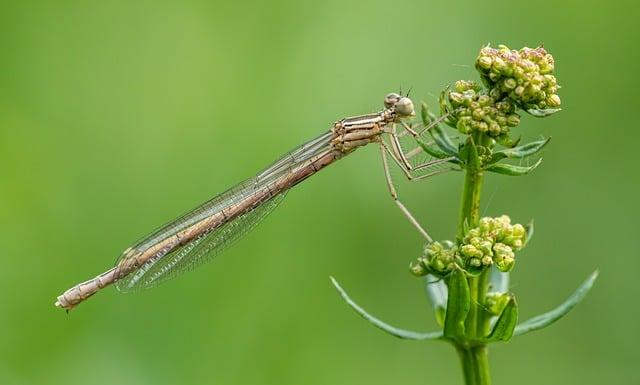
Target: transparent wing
(196, 252)
(175, 257)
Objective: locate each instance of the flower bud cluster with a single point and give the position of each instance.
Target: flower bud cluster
(525, 76)
(438, 259)
(493, 241)
(473, 110)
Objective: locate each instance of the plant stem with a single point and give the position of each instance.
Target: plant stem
(474, 358)
(470, 208)
(475, 364)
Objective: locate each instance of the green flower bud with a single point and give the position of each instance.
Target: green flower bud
(513, 120)
(464, 125)
(519, 231)
(550, 80)
(509, 84)
(502, 251)
(504, 220)
(466, 85)
(498, 65)
(418, 269)
(470, 251)
(484, 224)
(456, 98)
(494, 129)
(517, 244)
(484, 62)
(474, 233)
(533, 90)
(475, 262)
(485, 247)
(553, 101)
(477, 114)
(503, 256)
(484, 100)
(547, 66)
(505, 265)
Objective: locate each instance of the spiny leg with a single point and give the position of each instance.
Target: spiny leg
(394, 194)
(408, 129)
(398, 153)
(402, 158)
(407, 171)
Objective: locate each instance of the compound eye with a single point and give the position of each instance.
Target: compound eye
(391, 99)
(404, 107)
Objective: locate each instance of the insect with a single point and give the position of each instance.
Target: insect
(203, 232)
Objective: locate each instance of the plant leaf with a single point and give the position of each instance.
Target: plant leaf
(437, 293)
(443, 141)
(435, 152)
(400, 333)
(529, 228)
(469, 154)
(512, 170)
(442, 101)
(520, 151)
(457, 304)
(506, 323)
(543, 113)
(546, 319)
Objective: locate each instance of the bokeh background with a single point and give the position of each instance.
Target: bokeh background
(118, 116)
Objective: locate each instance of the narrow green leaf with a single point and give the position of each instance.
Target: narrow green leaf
(469, 154)
(442, 101)
(400, 333)
(437, 293)
(530, 231)
(512, 170)
(465, 226)
(543, 113)
(424, 114)
(546, 319)
(520, 151)
(436, 153)
(443, 141)
(457, 305)
(506, 323)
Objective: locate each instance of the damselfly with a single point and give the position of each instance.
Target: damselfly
(202, 233)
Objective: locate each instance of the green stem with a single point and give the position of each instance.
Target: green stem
(474, 358)
(470, 209)
(470, 216)
(475, 364)
(482, 326)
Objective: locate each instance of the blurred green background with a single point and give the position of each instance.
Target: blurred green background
(118, 116)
